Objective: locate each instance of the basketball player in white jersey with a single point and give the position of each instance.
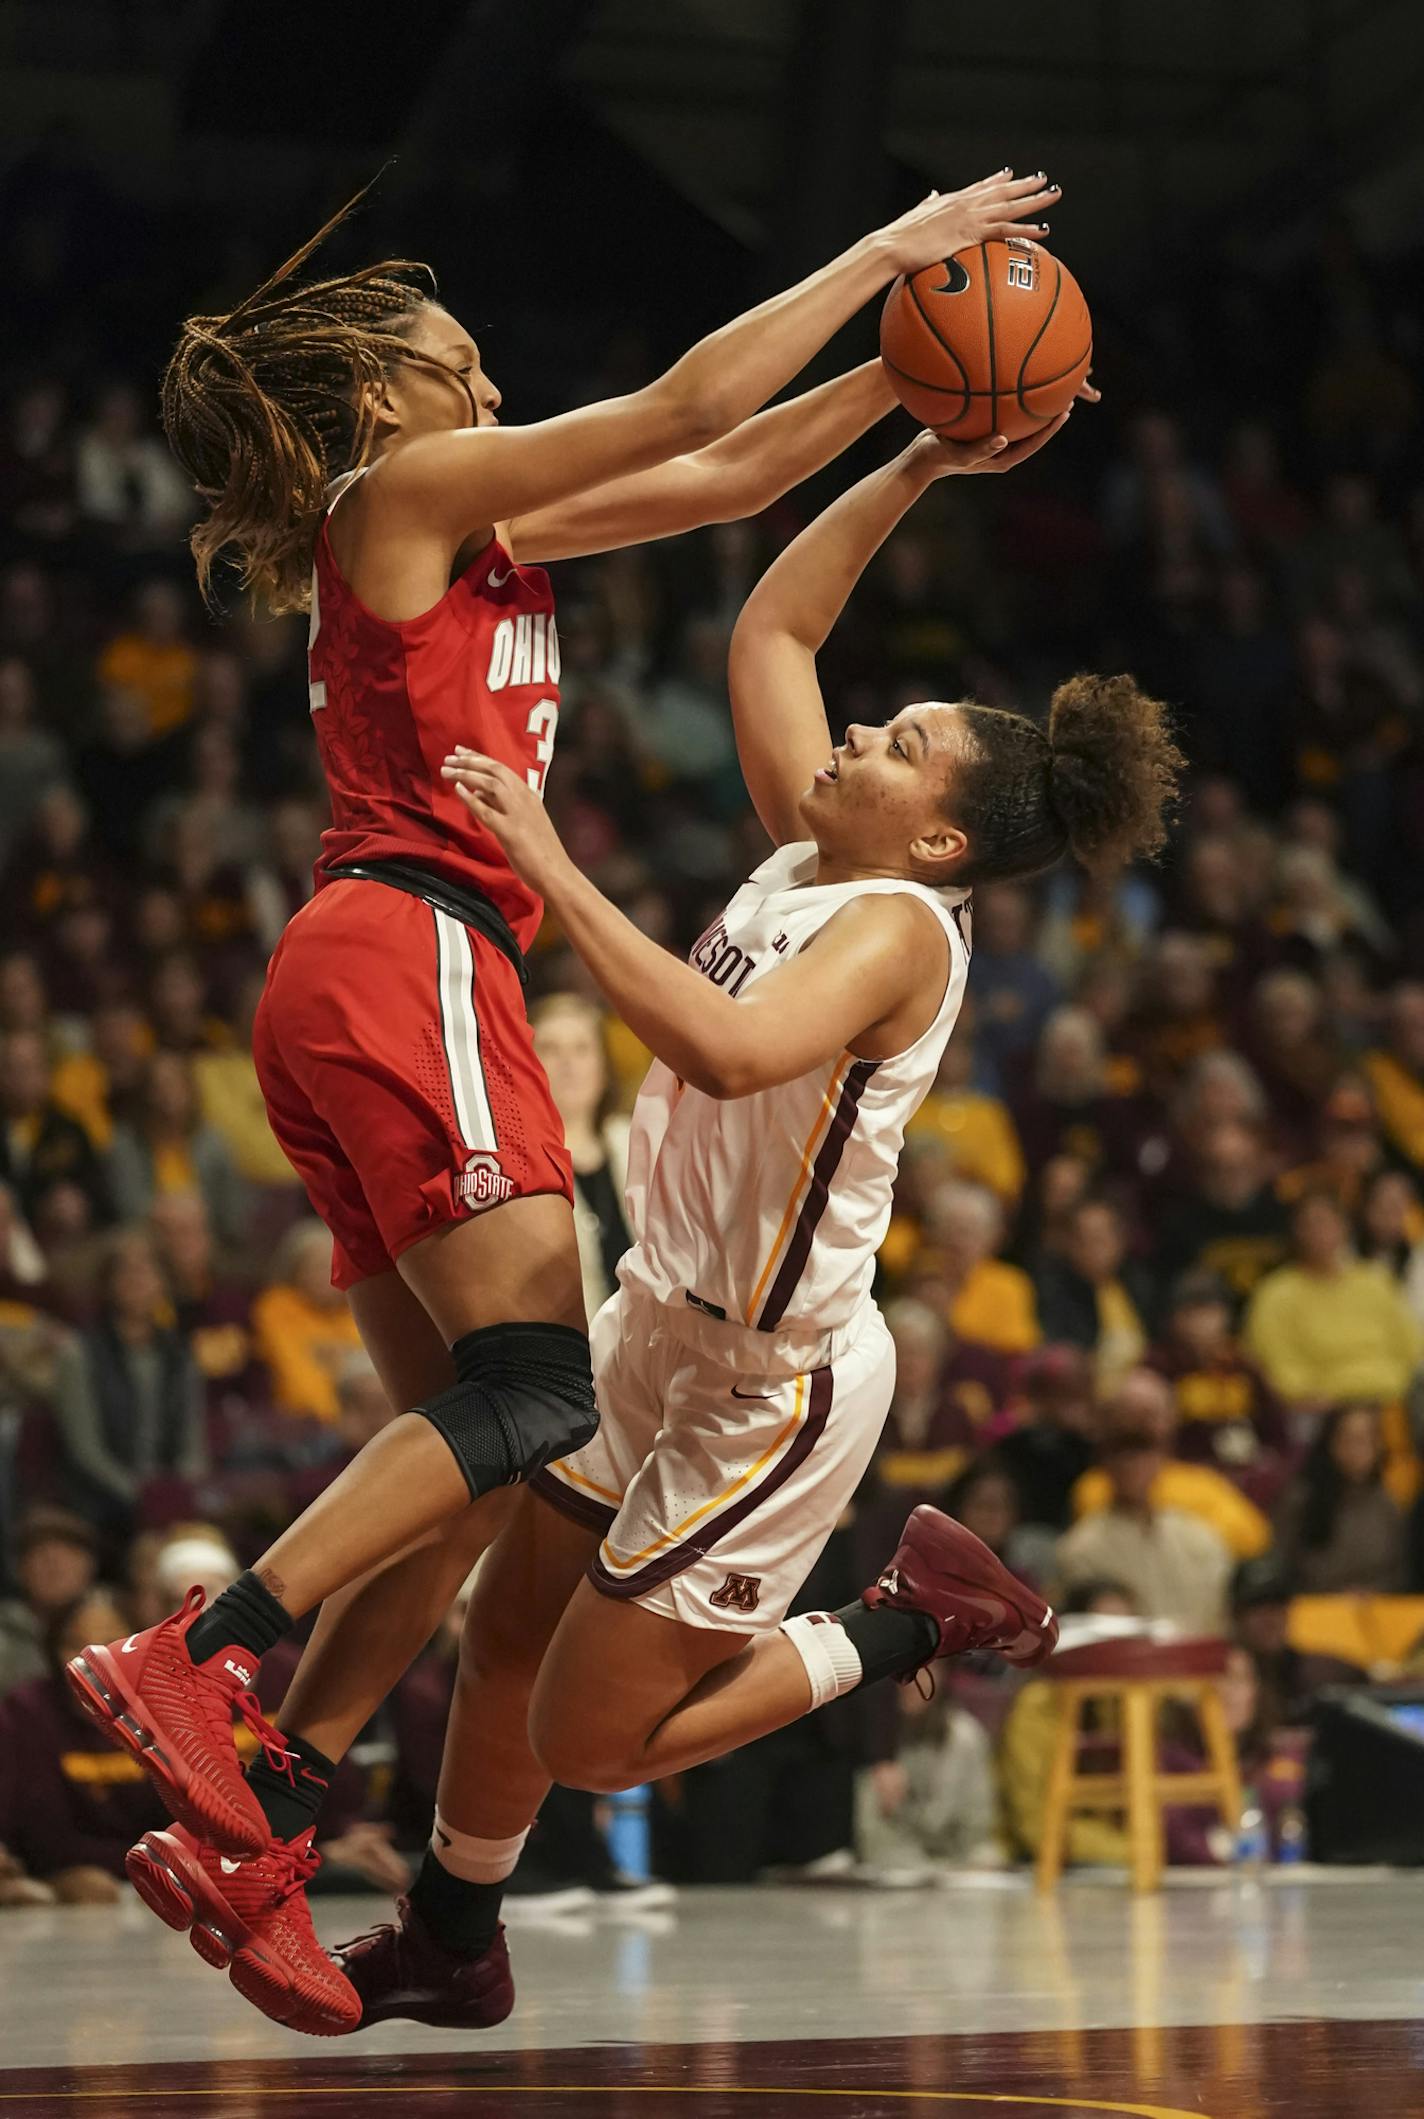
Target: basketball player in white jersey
(631, 1622)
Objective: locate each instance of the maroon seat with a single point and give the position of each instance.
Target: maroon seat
(1137, 1656)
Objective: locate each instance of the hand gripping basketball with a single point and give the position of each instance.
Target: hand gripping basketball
(939, 457)
(995, 207)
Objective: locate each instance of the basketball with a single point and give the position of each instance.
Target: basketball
(995, 341)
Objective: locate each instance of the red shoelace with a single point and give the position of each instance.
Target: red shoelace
(300, 1865)
(216, 1702)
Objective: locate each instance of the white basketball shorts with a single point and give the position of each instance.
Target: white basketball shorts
(712, 1485)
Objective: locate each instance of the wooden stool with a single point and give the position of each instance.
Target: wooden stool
(1137, 1674)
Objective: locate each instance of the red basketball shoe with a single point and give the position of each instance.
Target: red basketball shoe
(175, 1716)
(250, 1919)
(401, 1970)
(944, 1572)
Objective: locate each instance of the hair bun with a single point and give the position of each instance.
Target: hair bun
(1113, 769)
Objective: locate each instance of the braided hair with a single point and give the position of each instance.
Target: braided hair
(265, 406)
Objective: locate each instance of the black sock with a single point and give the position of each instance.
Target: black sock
(247, 1614)
(291, 1797)
(461, 1916)
(890, 1643)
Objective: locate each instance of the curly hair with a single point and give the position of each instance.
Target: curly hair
(265, 406)
(1099, 782)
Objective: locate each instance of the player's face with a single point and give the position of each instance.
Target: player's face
(878, 802)
(447, 390)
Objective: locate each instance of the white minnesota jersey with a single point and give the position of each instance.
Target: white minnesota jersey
(769, 1209)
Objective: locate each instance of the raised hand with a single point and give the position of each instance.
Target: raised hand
(1001, 205)
(942, 458)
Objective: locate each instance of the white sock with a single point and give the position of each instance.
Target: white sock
(831, 1658)
(475, 1861)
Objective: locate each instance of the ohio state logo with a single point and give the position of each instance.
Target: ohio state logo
(483, 1184)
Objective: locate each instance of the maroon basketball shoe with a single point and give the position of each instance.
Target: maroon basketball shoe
(250, 1919)
(401, 1970)
(175, 1716)
(948, 1575)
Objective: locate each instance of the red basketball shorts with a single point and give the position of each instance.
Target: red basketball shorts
(399, 1071)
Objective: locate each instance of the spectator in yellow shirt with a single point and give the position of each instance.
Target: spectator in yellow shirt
(100, 1084)
(152, 661)
(986, 1299)
(974, 1132)
(168, 1147)
(303, 1327)
(1143, 1402)
(1176, 1564)
(1329, 1327)
(233, 1104)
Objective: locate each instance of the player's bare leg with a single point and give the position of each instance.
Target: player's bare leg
(251, 1918)
(442, 1960)
(943, 1593)
(369, 1633)
(523, 1591)
(515, 1265)
(504, 1292)
(624, 1695)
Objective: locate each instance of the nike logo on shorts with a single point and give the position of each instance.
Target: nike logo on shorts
(763, 1397)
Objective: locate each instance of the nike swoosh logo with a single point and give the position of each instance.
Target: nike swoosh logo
(229, 1868)
(443, 1837)
(955, 280)
(762, 1397)
(129, 1644)
(497, 581)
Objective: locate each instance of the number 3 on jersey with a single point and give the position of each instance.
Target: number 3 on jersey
(542, 723)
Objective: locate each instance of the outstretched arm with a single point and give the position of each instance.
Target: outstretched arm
(777, 708)
(871, 980)
(735, 477)
(454, 483)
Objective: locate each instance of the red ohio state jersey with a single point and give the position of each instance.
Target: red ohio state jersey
(391, 697)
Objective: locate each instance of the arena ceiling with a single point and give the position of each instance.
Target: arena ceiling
(1166, 121)
(1170, 122)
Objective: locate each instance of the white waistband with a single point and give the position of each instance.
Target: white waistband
(740, 1347)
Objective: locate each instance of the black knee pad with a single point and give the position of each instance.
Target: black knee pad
(525, 1395)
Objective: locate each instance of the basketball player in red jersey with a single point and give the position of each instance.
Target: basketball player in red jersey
(345, 438)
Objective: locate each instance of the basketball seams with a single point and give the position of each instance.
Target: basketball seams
(1033, 347)
(994, 393)
(938, 338)
(922, 382)
(1045, 382)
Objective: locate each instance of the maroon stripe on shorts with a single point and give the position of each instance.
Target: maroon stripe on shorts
(813, 1206)
(709, 1533)
(571, 1501)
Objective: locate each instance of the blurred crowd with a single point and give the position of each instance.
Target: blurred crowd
(1156, 1268)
